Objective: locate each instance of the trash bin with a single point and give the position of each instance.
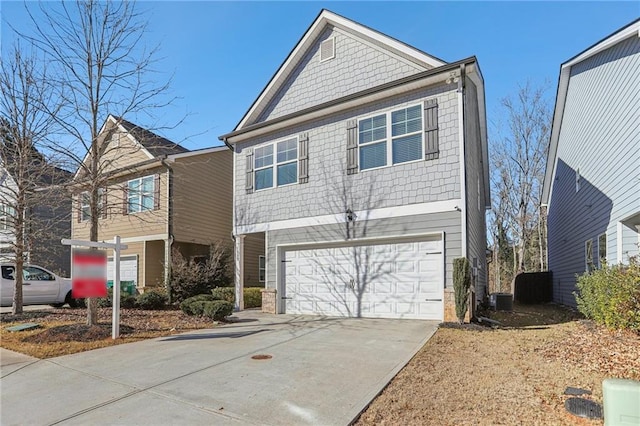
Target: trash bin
(128, 287)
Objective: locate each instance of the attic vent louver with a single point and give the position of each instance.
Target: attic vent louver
(327, 49)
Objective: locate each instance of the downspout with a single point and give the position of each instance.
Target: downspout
(463, 163)
(168, 243)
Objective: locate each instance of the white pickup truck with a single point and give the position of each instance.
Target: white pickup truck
(39, 287)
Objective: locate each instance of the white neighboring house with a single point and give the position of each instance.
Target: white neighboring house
(7, 200)
(364, 164)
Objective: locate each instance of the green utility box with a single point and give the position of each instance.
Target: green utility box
(128, 287)
(621, 398)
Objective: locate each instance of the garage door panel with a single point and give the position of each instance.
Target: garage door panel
(406, 287)
(401, 276)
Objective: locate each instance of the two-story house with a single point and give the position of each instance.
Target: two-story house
(158, 196)
(363, 162)
(47, 217)
(592, 181)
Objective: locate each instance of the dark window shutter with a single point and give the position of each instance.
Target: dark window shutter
(431, 129)
(352, 147)
(156, 192)
(303, 158)
(125, 199)
(80, 207)
(104, 203)
(249, 172)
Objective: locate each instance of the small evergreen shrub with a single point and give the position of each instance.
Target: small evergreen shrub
(151, 300)
(225, 293)
(461, 285)
(252, 297)
(127, 301)
(611, 296)
(217, 310)
(194, 305)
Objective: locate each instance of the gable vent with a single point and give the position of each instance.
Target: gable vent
(327, 49)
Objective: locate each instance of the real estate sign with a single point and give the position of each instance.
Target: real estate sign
(89, 273)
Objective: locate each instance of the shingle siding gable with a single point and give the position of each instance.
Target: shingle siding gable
(358, 65)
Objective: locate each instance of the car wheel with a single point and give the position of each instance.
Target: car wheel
(74, 303)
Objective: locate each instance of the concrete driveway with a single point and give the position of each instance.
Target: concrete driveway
(320, 371)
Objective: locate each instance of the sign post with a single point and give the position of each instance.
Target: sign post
(117, 246)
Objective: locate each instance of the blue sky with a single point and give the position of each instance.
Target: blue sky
(222, 54)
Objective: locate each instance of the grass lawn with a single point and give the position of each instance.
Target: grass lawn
(514, 374)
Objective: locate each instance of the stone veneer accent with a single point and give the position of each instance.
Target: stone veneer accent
(268, 300)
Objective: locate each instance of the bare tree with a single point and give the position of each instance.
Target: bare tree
(24, 125)
(518, 160)
(104, 67)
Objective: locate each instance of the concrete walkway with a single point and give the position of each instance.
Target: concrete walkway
(320, 371)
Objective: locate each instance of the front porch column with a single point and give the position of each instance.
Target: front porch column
(239, 272)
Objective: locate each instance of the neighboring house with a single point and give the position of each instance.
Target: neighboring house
(592, 181)
(48, 216)
(364, 164)
(158, 196)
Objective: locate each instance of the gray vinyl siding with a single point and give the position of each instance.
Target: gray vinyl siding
(357, 65)
(448, 222)
(600, 136)
(331, 191)
(476, 222)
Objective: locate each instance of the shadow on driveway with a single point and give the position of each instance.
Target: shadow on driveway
(214, 335)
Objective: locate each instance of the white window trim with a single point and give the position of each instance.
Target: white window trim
(274, 165)
(389, 138)
(261, 257)
(140, 195)
(606, 254)
(88, 205)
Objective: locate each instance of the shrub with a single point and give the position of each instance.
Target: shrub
(127, 301)
(252, 297)
(611, 296)
(217, 310)
(461, 285)
(225, 293)
(189, 278)
(193, 305)
(151, 300)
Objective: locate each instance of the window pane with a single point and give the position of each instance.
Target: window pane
(287, 150)
(372, 129)
(373, 155)
(287, 173)
(405, 121)
(264, 178)
(408, 148)
(264, 156)
(134, 185)
(147, 184)
(147, 202)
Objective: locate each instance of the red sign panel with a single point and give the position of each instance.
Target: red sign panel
(89, 277)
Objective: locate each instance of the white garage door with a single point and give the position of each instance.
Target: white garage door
(128, 269)
(401, 280)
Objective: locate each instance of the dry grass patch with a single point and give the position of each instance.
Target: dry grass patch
(511, 375)
(64, 331)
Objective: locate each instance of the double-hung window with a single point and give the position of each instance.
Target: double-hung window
(381, 144)
(7, 214)
(140, 194)
(85, 206)
(281, 169)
